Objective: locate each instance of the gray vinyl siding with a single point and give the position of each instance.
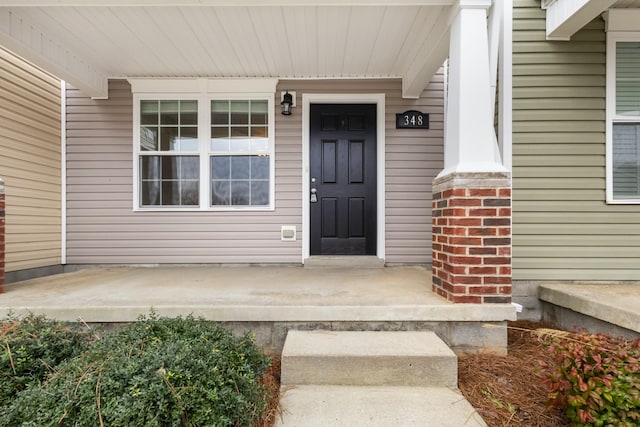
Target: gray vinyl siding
(30, 163)
(562, 227)
(102, 228)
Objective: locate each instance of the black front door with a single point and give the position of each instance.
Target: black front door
(343, 179)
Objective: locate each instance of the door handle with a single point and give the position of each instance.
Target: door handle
(314, 196)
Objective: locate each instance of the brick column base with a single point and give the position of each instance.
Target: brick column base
(1, 234)
(472, 237)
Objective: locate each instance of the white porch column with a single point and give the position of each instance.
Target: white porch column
(471, 207)
(469, 137)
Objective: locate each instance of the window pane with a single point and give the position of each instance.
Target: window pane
(626, 160)
(219, 132)
(169, 139)
(219, 112)
(239, 132)
(169, 180)
(259, 167)
(628, 78)
(189, 193)
(240, 180)
(239, 112)
(259, 193)
(221, 167)
(240, 193)
(259, 112)
(170, 193)
(148, 112)
(189, 168)
(188, 113)
(150, 193)
(259, 131)
(240, 167)
(221, 193)
(148, 138)
(169, 112)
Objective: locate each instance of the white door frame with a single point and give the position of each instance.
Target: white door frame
(357, 98)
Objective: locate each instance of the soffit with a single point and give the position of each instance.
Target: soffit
(84, 43)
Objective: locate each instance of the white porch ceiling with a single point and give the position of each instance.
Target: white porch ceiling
(85, 42)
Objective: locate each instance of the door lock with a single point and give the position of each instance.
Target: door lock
(314, 196)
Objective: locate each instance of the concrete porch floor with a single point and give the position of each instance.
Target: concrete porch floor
(249, 298)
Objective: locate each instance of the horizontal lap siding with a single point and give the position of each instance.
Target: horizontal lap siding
(102, 228)
(562, 227)
(30, 163)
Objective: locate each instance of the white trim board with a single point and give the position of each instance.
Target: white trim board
(364, 98)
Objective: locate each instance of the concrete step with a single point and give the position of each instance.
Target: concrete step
(343, 261)
(336, 406)
(368, 359)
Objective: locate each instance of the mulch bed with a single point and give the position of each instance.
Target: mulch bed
(508, 390)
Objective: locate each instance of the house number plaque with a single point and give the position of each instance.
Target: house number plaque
(412, 119)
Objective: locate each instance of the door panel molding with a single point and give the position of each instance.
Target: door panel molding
(360, 98)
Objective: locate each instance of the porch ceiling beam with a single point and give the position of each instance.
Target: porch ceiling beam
(24, 38)
(114, 3)
(566, 17)
(429, 59)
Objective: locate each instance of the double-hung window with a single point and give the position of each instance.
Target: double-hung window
(203, 151)
(623, 118)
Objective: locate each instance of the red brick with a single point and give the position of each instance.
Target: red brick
(505, 270)
(497, 280)
(481, 231)
(435, 263)
(483, 290)
(442, 256)
(465, 202)
(467, 280)
(482, 212)
(436, 230)
(482, 270)
(454, 192)
(504, 212)
(497, 260)
(504, 290)
(504, 192)
(454, 231)
(497, 241)
(504, 231)
(482, 192)
(436, 247)
(482, 251)
(442, 221)
(467, 299)
(506, 250)
(442, 239)
(492, 222)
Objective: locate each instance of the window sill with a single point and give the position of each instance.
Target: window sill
(225, 209)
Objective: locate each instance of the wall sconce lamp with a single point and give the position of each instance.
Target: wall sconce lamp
(286, 104)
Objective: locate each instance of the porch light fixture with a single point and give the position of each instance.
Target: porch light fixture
(287, 103)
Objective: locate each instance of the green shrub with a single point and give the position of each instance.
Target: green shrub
(596, 378)
(155, 372)
(31, 348)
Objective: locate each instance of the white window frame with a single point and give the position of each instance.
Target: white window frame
(203, 91)
(614, 37)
